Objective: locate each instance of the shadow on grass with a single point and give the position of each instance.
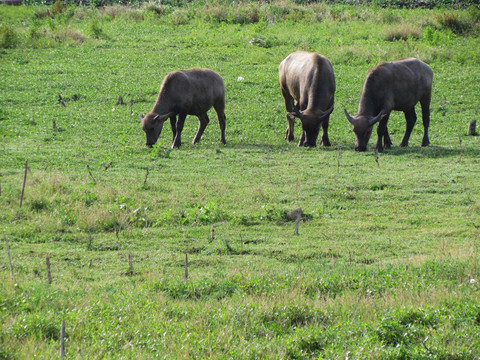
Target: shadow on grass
(434, 151)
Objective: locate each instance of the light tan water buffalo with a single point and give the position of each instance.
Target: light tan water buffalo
(186, 92)
(397, 85)
(307, 82)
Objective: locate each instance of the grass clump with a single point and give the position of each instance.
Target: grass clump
(402, 32)
(459, 23)
(9, 38)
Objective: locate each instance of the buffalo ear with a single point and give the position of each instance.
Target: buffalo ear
(349, 118)
(142, 115)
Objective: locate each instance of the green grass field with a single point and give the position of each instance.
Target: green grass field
(386, 264)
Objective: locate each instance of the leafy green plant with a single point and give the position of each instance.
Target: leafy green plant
(96, 30)
(9, 37)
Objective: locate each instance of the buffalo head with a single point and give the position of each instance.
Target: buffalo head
(152, 124)
(362, 127)
(311, 123)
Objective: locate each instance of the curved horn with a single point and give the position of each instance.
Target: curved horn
(375, 119)
(349, 118)
(162, 118)
(296, 113)
(326, 113)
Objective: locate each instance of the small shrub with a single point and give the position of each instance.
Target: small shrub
(96, 30)
(455, 23)
(9, 38)
(43, 13)
(474, 13)
(58, 7)
(157, 9)
(39, 205)
(180, 17)
(248, 15)
(307, 343)
(203, 214)
(216, 13)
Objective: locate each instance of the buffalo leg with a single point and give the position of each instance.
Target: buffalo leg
(325, 139)
(220, 110)
(177, 142)
(222, 120)
(204, 120)
(289, 134)
(381, 130)
(303, 139)
(411, 118)
(173, 123)
(426, 119)
(387, 142)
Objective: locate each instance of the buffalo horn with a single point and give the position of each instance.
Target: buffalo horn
(297, 112)
(349, 118)
(326, 113)
(375, 119)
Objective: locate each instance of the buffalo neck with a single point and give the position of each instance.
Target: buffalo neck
(163, 104)
(370, 101)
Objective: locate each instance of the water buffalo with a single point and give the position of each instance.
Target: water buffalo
(307, 82)
(397, 85)
(186, 92)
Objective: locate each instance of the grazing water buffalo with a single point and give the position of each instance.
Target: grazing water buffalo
(186, 92)
(307, 82)
(397, 85)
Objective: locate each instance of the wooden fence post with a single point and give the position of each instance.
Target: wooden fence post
(9, 258)
(130, 261)
(49, 274)
(62, 341)
(472, 128)
(24, 181)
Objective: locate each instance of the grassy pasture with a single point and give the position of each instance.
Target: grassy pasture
(387, 260)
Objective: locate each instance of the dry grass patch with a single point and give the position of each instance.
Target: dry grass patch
(402, 32)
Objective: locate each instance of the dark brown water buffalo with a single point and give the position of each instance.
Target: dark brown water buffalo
(307, 82)
(397, 85)
(186, 92)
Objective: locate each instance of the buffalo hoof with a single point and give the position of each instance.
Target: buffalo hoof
(305, 144)
(289, 137)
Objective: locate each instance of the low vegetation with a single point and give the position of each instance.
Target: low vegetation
(386, 263)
